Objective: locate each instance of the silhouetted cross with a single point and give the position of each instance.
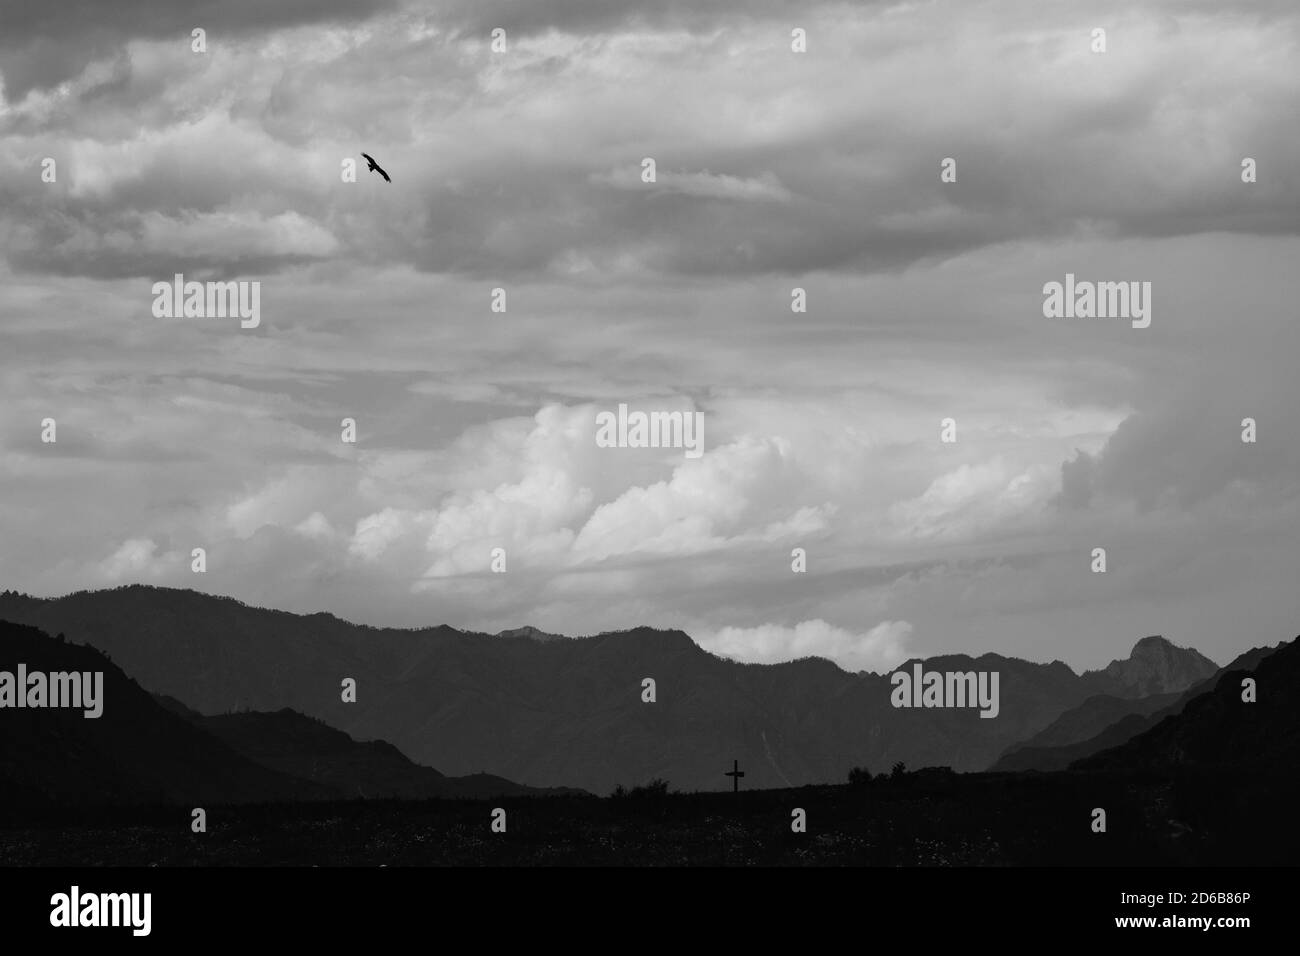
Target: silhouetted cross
(735, 773)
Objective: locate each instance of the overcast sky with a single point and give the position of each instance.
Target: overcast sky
(775, 169)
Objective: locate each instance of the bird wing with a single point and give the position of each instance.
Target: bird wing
(376, 167)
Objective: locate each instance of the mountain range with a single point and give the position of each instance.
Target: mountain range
(309, 749)
(1105, 721)
(554, 712)
(135, 752)
(144, 749)
(1219, 729)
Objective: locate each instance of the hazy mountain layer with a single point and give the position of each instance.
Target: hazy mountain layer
(570, 712)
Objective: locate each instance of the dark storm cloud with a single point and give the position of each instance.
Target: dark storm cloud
(1188, 450)
(107, 244)
(45, 44)
(599, 16)
(593, 17)
(841, 179)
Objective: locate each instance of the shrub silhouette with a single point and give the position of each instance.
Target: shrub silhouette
(859, 777)
(656, 789)
(898, 771)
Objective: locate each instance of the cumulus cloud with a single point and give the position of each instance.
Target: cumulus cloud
(879, 649)
(694, 509)
(135, 560)
(542, 502)
(973, 498)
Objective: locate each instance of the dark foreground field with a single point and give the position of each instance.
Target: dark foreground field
(968, 820)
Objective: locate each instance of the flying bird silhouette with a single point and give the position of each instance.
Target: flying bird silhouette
(376, 167)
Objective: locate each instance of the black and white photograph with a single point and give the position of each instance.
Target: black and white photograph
(538, 437)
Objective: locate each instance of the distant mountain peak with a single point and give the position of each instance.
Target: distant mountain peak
(1151, 643)
(1156, 665)
(1217, 729)
(1157, 646)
